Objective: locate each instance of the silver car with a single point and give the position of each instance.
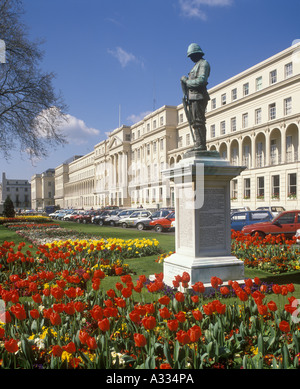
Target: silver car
(134, 218)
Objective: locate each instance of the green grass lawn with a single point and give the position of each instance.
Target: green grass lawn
(148, 265)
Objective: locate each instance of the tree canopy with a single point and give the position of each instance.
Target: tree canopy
(31, 112)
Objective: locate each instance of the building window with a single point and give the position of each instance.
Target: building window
(246, 89)
(247, 188)
(180, 141)
(181, 118)
(289, 149)
(288, 106)
(161, 144)
(234, 156)
(234, 94)
(213, 103)
(161, 121)
(288, 70)
(127, 137)
(222, 127)
(260, 187)
(276, 187)
(154, 147)
(292, 186)
(212, 130)
(258, 116)
(246, 156)
(259, 83)
(273, 151)
(148, 148)
(259, 155)
(223, 99)
(272, 111)
(154, 124)
(233, 124)
(273, 76)
(188, 139)
(245, 120)
(234, 189)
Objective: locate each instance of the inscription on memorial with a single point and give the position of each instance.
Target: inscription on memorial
(212, 219)
(185, 217)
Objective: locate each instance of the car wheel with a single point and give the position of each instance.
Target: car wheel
(124, 225)
(78, 220)
(112, 223)
(101, 222)
(84, 221)
(140, 226)
(260, 234)
(158, 228)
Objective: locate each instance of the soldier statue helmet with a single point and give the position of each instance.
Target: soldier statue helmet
(196, 96)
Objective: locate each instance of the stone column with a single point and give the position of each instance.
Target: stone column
(202, 211)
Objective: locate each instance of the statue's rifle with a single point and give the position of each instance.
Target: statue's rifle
(186, 106)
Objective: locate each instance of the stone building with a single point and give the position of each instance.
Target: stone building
(18, 190)
(43, 189)
(253, 119)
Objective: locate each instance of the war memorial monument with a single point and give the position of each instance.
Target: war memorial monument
(202, 194)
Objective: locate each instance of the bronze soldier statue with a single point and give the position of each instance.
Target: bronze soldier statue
(196, 96)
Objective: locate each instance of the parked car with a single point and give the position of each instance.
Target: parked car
(73, 217)
(287, 223)
(275, 210)
(241, 219)
(134, 218)
(114, 220)
(145, 223)
(239, 209)
(100, 218)
(86, 217)
(163, 224)
(67, 216)
(54, 214)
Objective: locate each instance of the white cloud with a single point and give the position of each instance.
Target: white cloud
(124, 57)
(193, 8)
(136, 118)
(76, 131)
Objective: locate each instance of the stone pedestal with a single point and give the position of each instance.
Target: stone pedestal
(202, 212)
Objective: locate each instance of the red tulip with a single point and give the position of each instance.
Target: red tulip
(70, 348)
(55, 319)
(91, 343)
(11, 346)
(183, 337)
(172, 325)
(57, 351)
(194, 333)
(104, 325)
(149, 322)
(140, 340)
(34, 313)
(272, 306)
(284, 326)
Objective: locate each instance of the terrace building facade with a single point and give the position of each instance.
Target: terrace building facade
(253, 120)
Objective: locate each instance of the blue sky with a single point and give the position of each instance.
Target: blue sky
(117, 60)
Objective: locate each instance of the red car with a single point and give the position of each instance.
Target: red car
(287, 223)
(163, 224)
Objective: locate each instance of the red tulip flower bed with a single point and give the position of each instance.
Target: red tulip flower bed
(57, 316)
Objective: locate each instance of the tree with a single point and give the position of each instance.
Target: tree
(8, 208)
(30, 111)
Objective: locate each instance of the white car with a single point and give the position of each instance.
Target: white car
(134, 218)
(54, 214)
(275, 210)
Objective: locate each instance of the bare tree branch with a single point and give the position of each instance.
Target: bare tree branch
(30, 110)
